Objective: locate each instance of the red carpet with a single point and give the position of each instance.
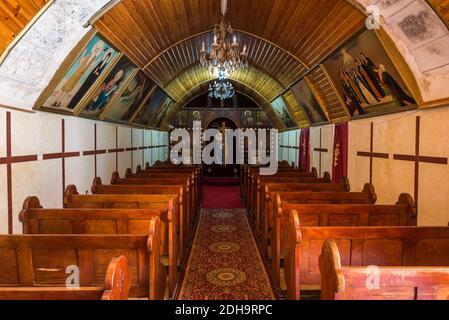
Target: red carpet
(225, 263)
(221, 197)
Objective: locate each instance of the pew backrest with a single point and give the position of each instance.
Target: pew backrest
(42, 260)
(361, 246)
(379, 282)
(116, 287)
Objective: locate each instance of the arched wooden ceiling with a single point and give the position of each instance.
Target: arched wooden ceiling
(239, 87)
(286, 39)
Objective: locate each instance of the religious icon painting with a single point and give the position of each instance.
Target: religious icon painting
(366, 78)
(194, 115)
(82, 75)
(106, 92)
(248, 118)
(262, 120)
(148, 111)
(133, 95)
(309, 103)
(181, 119)
(283, 113)
(165, 109)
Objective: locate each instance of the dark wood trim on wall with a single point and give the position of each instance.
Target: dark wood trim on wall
(9, 160)
(371, 154)
(417, 158)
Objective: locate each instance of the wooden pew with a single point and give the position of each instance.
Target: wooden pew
(41, 260)
(173, 172)
(257, 196)
(116, 287)
(250, 170)
(390, 282)
(357, 212)
(197, 169)
(360, 246)
(99, 188)
(37, 220)
(245, 173)
(186, 216)
(255, 182)
(269, 189)
(192, 198)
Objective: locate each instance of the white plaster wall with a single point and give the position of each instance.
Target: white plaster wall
(40, 133)
(137, 143)
(105, 141)
(79, 137)
(124, 158)
(395, 134)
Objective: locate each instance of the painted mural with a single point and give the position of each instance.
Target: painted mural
(367, 79)
(283, 113)
(131, 98)
(162, 113)
(109, 88)
(82, 75)
(149, 110)
(248, 118)
(308, 102)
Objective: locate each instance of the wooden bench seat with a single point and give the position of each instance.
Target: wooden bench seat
(257, 196)
(187, 216)
(267, 199)
(42, 260)
(271, 209)
(360, 246)
(250, 174)
(37, 220)
(295, 176)
(116, 287)
(380, 282)
(174, 172)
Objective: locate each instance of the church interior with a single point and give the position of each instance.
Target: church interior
(93, 208)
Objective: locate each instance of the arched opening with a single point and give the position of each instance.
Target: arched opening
(221, 170)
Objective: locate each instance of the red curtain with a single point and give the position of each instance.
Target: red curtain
(304, 150)
(340, 161)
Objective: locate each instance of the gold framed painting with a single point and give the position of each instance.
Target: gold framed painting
(130, 99)
(80, 72)
(149, 111)
(108, 89)
(366, 79)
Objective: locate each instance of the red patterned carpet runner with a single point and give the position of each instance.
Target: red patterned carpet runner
(225, 263)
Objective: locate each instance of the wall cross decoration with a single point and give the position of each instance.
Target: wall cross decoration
(371, 154)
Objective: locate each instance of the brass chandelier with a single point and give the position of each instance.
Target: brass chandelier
(224, 56)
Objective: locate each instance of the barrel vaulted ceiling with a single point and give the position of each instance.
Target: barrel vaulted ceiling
(286, 39)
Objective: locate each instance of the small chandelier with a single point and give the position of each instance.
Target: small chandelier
(221, 89)
(224, 55)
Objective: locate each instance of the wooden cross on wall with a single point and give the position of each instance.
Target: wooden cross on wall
(417, 159)
(321, 150)
(371, 154)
